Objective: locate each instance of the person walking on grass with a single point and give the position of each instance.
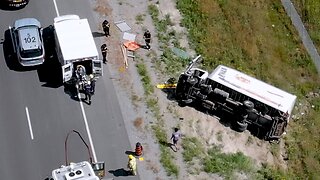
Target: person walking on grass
(175, 138)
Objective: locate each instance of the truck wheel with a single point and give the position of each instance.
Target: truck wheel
(241, 126)
(192, 80)
(248, 105)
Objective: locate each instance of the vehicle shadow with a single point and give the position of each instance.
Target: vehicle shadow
(10, 56)
(170, 91)
(130, 153)
(9, 8)
(119, 172)
(97, 34)
(50, 72)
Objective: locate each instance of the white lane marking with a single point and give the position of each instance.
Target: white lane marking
(82, 109)
(87, 128)
(29, 123)
(56, 7)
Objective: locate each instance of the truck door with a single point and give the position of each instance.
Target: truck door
(97, 68)
(67, 70)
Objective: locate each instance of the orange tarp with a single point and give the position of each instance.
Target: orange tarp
(131, 45)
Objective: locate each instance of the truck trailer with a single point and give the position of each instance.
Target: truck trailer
(248, 102)
(75, 47)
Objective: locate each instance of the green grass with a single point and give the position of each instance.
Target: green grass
(226, 164)
(145, 79)
(310, 15)
(257, 37)
(304, 143)
(167, 38)
(219, 136)
(192, 148)
(140, 18)
(166, 157)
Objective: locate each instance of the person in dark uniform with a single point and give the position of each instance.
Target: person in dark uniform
(106, 28)
(104, 51)
(87, 92)
(147, 38)
(93, 83)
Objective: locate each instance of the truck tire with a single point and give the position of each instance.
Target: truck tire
(192, 80)
(242, 126)
(248, 105)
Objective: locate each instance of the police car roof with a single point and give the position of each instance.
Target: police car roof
(29, 38)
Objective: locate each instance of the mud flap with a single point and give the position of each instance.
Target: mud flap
(67, 72)
(97, 68)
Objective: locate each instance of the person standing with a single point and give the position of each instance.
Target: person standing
(132, 165)
(139, 149)
(106, 28)
(175, 138)
(104, 51)
(147, 38)
(87, 92)
(93, 83)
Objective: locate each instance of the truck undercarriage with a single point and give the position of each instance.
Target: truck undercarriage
(194, 88)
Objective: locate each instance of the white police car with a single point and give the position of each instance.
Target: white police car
(26, 35)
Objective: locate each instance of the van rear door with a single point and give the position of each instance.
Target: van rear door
(97, 68)
(67, 70)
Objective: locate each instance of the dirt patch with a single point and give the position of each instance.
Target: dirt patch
(138, 123)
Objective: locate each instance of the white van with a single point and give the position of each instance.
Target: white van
(75, 46)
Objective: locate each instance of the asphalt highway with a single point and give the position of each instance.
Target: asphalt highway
(35, 118)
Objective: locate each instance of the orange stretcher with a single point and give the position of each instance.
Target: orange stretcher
(131, 45)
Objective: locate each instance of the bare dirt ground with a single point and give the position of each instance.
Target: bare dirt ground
(131, 96)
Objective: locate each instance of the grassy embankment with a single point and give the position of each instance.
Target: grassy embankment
(309, 11)
(213, 161)
(166, 156)
(258, 38)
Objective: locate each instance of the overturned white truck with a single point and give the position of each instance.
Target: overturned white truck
(250, 103)
(75, 47)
